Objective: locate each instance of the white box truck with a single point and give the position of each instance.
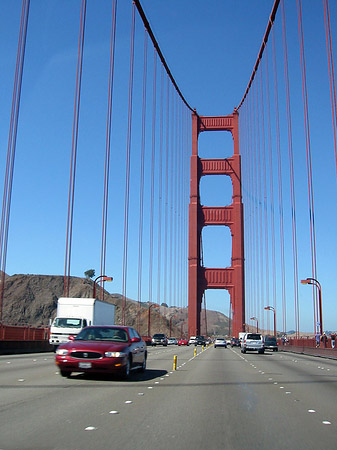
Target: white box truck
(74, 314)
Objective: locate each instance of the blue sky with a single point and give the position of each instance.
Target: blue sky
(211, 48)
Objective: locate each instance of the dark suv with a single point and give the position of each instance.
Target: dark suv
(235, 342)
(159, 339)
(200, 340)
(270, 343)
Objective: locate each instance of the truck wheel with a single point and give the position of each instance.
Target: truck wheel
(65, 373)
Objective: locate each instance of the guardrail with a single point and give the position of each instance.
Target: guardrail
(23, 333)
(308, 346)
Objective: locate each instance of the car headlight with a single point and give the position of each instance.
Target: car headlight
(62, 351)
(115, 354)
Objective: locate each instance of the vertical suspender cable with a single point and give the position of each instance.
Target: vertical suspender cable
(308, 153)
(153, 160)
(331, 73)
(265, 201)
(8, 183)
(280, 188)
(167, 152)
(74, 150)
(271, 183)
(142, 176)
(128, 164)
(160, 190)
(291, 168)
(108, 142)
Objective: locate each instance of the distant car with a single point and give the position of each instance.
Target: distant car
(200, 340)
(172, 341)
(192, 340)
(270, 343)
(220, 342)
(103, 350)
(252, 342)
(235, 342)
(159, 339)
(183, 342)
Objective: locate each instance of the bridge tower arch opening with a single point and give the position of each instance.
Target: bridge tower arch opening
(200, 277)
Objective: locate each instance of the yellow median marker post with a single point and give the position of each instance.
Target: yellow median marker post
(195, 351)
(175, 362)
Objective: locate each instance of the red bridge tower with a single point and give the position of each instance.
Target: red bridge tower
(201, 278)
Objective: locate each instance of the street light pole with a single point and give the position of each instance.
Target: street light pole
(257, 323)
(104, 278)
(149, 319)
(271, 308)
(316, 283)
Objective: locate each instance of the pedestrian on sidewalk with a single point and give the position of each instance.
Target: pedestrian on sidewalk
(333, 340)
(324, 339)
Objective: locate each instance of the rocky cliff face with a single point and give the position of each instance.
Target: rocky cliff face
(32, 299)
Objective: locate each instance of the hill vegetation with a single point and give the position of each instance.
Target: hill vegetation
(32, 300)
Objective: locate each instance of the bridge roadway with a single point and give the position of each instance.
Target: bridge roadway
(220, 399)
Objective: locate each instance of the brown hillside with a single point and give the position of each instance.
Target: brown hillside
(32, 299)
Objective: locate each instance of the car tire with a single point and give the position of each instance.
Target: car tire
(126, 370)
(261, 352)
(143, 367)
(65, 373)
(243, 350)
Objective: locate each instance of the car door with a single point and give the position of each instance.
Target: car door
(136, 348)
(141, 348)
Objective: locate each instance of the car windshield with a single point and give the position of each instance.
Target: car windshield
(159, 336)
(270, 338)
(102, 334)
(64, 322)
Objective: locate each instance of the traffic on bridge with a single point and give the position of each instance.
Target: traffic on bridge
(186, 153)
(218, 398)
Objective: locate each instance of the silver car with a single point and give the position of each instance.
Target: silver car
(220, 342)
(252, 342)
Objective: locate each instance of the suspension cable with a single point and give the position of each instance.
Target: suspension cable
(156, 46)
(308, 154)
(128, 164)
(108, 144)
(331, 73)
(280, 187)
(74, 150)
(142, 175)
(8, 182)
(259, 57)
(291, 169)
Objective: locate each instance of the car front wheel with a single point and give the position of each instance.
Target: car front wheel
(126, 370)
(65, 373)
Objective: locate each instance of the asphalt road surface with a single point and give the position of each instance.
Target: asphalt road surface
(220, 399)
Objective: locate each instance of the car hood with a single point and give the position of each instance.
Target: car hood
(92, 346)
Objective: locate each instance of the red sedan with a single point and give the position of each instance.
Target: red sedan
(183, 342)
(103, 349)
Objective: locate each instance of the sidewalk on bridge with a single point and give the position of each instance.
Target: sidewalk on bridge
(320, 352)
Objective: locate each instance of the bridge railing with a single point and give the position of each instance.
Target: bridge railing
(23, 333)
